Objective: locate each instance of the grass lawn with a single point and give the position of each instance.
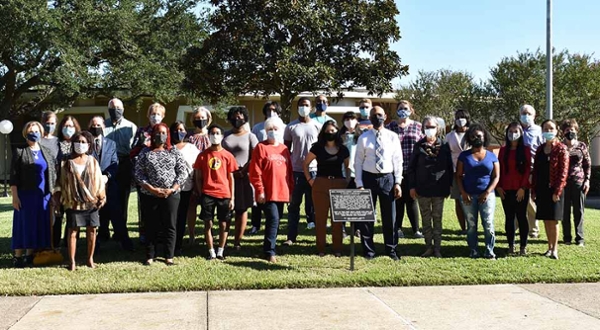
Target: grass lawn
(299, 266)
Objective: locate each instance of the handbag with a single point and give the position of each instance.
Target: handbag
(52, 256)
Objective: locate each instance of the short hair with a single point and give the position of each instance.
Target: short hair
(213, 126)
(302, 99)
(197, 110)
(478, 127)
(368, 101)
(321, 138)
(155, 129)
(47, 115)
(431, 119)
(28, 126)
(97, 117)
(238, 109)
(569, 123)
(321, 96)
(113, 100)
(156, 106)
(527, 107)
(88, 137)
(268, 104)
(65, 119)
(274, 122)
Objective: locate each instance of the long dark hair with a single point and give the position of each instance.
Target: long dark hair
(463, 114)
(87, 135)
(350, 115)
(59, 133)
(321, 139)
(520, 161)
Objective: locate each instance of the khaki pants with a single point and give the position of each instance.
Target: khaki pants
(320, 195)
(432, 209)
(533, 225)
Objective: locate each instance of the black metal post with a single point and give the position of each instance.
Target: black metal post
(5, 165)
(352, 246)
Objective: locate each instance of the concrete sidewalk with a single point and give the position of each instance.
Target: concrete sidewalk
(538, 306)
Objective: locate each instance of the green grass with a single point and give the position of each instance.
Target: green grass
(299, 267)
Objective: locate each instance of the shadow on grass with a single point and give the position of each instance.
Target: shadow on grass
(258, 265)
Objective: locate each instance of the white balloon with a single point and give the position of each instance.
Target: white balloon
(6, 126)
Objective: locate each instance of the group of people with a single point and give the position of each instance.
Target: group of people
(87, 176)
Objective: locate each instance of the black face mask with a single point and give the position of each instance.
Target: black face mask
(377, 120)
(477, 142)
(115, 114)
(571, 136)
(201, 123)
(237, 123)
(330, 136)
(95, 131)
(159, 139)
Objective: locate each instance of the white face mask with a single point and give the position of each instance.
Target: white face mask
(303, 111)
(155, 119)
(275, 135)
(80, 148)
(514, 136)
(273, 115)
(430, 132)
(215, 138)
(350, 123)
(461, 122)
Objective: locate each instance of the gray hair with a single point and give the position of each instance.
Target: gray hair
(526, 107)
(274, 122)
(433, 119)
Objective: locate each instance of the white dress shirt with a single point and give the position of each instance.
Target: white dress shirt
(365, 155)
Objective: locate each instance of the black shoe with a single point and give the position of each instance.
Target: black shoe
(148, 262)
(18, 262)
(103, 237)
(394, 257)
(127, 245)
(28, 261)
(178, 252)
(222, 257)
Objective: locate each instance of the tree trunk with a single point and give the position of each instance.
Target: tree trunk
(287, 98)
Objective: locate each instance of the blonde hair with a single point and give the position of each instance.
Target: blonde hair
(28, 126)
(367, 101)
(156, 106)
(197, 110)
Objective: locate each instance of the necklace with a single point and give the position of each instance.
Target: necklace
(35, 153)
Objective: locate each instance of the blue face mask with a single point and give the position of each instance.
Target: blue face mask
(275, 135)
(364, 112)
(527, 120)
(548, 136)
(403, 114)
(321, 107)
(33, 136)
(68, 131)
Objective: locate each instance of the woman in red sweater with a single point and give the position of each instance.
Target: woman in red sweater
(271, 175)
(513, 188)
(550, 170)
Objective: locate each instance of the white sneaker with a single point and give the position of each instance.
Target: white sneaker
(310, 225)
(418, 234)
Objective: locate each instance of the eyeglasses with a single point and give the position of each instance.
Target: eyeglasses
(406, 109)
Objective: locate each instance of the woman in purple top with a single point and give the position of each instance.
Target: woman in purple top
(409, 132)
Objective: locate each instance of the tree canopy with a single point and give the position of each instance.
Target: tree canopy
(267, 47)
(52, 52)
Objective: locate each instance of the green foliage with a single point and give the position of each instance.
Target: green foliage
(62, 50)
(287, 47)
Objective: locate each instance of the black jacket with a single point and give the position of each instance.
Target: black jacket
(22, 171)
(430, 176)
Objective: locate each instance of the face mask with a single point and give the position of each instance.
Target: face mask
(237, 123)
(461, 122)
(330, 136)
(96, 131)
(364, 112)
(33, 136)
(215, 138)
(68, 132)
(155, 119)
(273, 114)
(477, 142)
(80, 148)
(321, 107)
(159, 139)
(49, 128)
(178, 136)
(349, 138)
(275, 135)
(200, 123)
(548, 135)
(377, 120)
(514, 136)
(350, 124)
(527, 120)
(115, 114)
(403, 114)
(303, 111)
(571, 136)
(430, 132)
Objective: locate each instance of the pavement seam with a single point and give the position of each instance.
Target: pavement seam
(25, 314)
(558, 302)
(405, 321)
(207, 312)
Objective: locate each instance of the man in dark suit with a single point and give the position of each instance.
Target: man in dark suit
(105, 152)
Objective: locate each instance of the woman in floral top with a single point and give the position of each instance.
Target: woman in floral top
(578, 181)
(409, 132)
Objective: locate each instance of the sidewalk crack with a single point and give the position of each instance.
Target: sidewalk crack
(405, 321)
(558, 302)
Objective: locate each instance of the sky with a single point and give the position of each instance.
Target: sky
(474, 35)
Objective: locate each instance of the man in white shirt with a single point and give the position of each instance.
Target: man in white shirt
(379, 169)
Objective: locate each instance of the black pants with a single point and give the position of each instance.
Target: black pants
(112, 212)
(182, 209)
(573, 196)
(513, 208)
(161, 218)
(381, 186)
(411, 206)
(124, 176)
(258, 210)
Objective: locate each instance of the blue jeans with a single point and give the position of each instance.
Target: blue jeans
(301, 189)
(271, 210)
(486, 211)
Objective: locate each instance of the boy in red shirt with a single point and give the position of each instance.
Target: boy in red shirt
(213, 172)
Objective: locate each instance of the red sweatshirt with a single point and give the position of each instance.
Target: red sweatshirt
(513, 179)
(271, 172)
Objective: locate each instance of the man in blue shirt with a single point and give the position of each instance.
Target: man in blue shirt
(532, 137)
(321, 105)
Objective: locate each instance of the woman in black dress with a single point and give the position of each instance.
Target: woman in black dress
(549, 180)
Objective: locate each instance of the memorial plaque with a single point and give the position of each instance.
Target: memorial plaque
(352, 205)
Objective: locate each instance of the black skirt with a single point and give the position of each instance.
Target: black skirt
(547, 209)
(85, 218)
